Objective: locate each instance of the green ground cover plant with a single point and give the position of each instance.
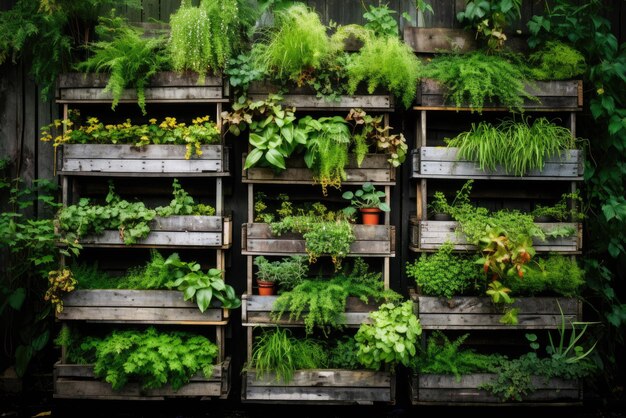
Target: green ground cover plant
(288, 272)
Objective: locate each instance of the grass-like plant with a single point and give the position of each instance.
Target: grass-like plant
(389, 63)
(297, 43)
(476, 79)
(517, 147)
(278, 352)
(204, 38)
(129, 58)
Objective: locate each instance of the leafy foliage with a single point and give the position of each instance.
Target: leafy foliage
(151, 357)
(277, 352)
(391, 338)
(389, 63)
(517, 147)
(61, 282)
(475, 79)
(490, 18)
(288, 272)
(556, 61)
(365, 197)
(444, 273)
(381, 21)
(343, 355)
(129, 58)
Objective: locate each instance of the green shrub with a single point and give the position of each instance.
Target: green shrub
(556, 274)
(556, 61)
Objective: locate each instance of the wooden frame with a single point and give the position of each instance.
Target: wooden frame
(445, 390)
(375, 168)
(137, 307)
(73, 381)
(478, 312)
(443, 163)
(324, 386)
(164, 87)
(553, 96)
(431, 235)
(371, 241)
(148, 160)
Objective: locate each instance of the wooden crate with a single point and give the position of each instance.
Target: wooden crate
(552, 95)
(164, 87)
(149, 160)
(325, 386)
(256, 310)
(431, 235)
(137, 306)
(73, 381)
(443, 163)
(375, 168)
(478, 312)
(444, 389)
(303, 98)
(173, 231)
(371, 240)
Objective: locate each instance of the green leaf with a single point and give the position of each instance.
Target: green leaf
(203, 298)
(275, 158)
(23, 354)
(253, 157)
(16, 299)
(189, 292)
(40, 342)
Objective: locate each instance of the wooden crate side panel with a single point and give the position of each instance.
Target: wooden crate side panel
(146, 152)
(370, 240)
(324, 378)
(434, 40)
(86, 371)
(152, 94)
(162, 78)
(127, 297)
(431, 235)
(159, 239)
(141, 315)
(375, 169)
(433, 162)
(193, 223)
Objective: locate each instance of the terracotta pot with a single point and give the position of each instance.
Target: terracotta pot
(266, 288)
(370, 215)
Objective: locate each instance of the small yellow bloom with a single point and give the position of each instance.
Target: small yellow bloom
(152, 121)
(92, 121)
(600, 91)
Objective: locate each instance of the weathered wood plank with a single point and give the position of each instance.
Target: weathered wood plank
(375, 168)
(194, 223)
(430, 235)
(86, 371)
(127, 297)
(483, 305)
(435, 40)
(324, 378)
(370, 240)
(445, 389)
(142, 314)
(161, 79)
(352, 319)
(152, 94)
(146, 152)
(551, 94)
(443, 162)
(106, 166)
(159, 238)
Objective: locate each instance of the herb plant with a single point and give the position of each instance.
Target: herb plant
(365, 197)
(490, 18)
(153, 358)
(288, 272)
(444, 273)
(381, 21)
(556, 61)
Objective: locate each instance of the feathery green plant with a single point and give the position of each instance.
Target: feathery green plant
(556, 61)
(518, 147)
(386, 62)
(129, 58)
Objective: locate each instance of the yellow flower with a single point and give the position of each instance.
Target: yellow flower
(92, 121)
(152, 121)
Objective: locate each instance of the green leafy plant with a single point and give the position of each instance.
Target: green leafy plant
(476, 79)
(444, 274)
(288, 272)
(277, 352)
(381, 21)
(391, 338)
(517, 147)
(561, 211)
(204, 38)
(343, 355)
(556, 61)
(151, 357)
(365, 197)
(61, 282)
(555, 274)
(490, 18)
(389, 63)
(130, 58)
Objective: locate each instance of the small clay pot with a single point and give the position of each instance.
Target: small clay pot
(370, 216)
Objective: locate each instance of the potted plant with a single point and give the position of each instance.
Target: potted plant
(368, 201)
(265, 276)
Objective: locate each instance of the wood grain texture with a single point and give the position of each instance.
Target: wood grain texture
(434, 40)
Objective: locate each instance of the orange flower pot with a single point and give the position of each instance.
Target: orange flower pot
(370, 215)
(266, 288)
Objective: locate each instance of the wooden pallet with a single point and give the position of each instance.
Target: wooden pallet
(444, 163)
(73, 381)
(431, 235)
(553, 96)
(164, 87)
(375, 168)
(445, 390)
(303, 98)
(173, 231)
(256, 311)
(137, 307)
(325, 386)
(371, 241)
(479, 313)
(148, 160)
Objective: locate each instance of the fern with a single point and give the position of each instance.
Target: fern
(130, 59)
(389, 63)
(556, 61)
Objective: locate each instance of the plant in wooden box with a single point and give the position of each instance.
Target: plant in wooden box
(567, 208)
(368, 201)
(391, 338)
(154, 358)
(288, 273)
(322, 302)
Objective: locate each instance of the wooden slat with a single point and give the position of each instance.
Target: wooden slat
(324, 378)
(86, 371)
(152, 94)
(146, 152)
(141, 315)
(443, 162)
(162, 79)
(158, 238)
(435, 40)
(141, 166)
(430, 235)
(194, 223)
(127, 297)
(371, 240)
(375, 168)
